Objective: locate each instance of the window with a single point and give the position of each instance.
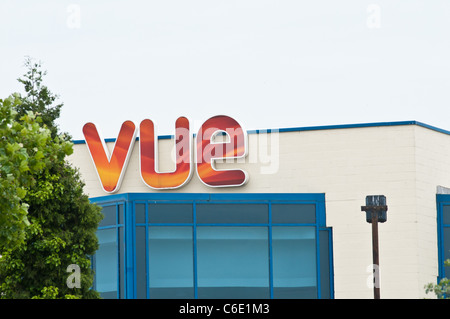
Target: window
(294, 262)
(443, 204)
(232, 262)
(212, 246)
(109, 258)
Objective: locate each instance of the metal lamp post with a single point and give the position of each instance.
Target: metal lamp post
(376, 211)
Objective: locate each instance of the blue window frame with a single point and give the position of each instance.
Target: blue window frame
(443, 222)
(185, 245)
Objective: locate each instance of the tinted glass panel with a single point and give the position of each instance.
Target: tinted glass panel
(446, 214)
(294, 262)
(141, 271)
(232, 262)
(170, 213)
(232, 213)
(106, 261)
(446, 250)
(109, 213)
(171, 270)
(293, 213)
(139, 212)
(121, 263)
(324, 237)
(120, 209)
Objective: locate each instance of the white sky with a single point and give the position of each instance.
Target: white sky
(268, 64)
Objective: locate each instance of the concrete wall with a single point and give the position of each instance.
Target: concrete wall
(405, 163)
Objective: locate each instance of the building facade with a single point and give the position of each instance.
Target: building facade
(294, 229)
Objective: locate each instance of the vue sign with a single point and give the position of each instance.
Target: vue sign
(111, 168)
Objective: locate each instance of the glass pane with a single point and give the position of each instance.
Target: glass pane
(106, 263)
(170, 213)
(294, 262)
(171, 265)
(120, 207)
(139, 210)
(293, 213)
(232, 262)
(446, 250)
(141, 271)
(232, 213)
(324, 237)
(109, 213)
(446, 214)
(121, 263)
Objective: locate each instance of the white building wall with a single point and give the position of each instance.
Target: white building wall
(404, 163)
(432, 170)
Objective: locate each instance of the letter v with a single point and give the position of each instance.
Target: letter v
(110, 169)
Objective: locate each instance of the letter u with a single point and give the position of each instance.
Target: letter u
(148, 148)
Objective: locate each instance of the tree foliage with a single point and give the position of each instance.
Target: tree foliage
(46, 220)
(442, 288)
(26, 149)
(39, 99)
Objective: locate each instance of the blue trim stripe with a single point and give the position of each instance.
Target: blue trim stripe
(199, 197)
(313, 128)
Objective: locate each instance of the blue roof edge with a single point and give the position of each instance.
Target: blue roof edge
(313, 128)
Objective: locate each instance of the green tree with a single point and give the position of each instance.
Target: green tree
(60, 227)
(38, 98)
(26, 148)
(441, 289)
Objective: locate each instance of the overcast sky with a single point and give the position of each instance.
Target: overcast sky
(268, 64)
